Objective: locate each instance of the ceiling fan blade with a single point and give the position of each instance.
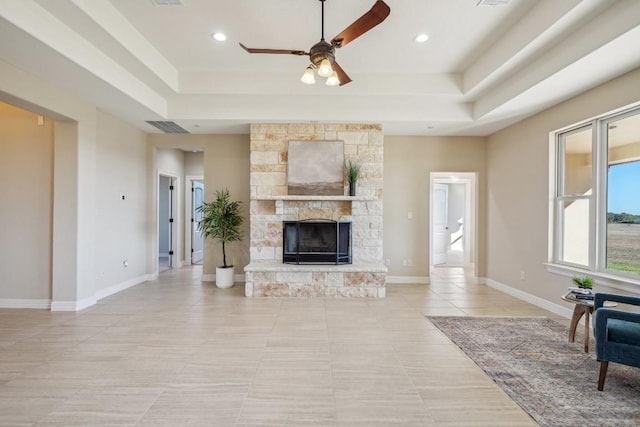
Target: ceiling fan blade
(276, 51)
(342, 76)
(373, 17)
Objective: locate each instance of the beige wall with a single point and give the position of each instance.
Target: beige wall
(120, 231)
(226, 165)
(27, 214)
(408, 162)
(518, 188)
(26, 173)
(194, 163)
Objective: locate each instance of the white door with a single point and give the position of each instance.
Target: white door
(197, 197)
(439, 223)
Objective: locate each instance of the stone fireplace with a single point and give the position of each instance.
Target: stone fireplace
(272, 271)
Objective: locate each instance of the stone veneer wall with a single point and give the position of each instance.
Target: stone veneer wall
(266, 275)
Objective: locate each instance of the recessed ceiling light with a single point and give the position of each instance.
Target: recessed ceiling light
(421, 38)
(219, 36)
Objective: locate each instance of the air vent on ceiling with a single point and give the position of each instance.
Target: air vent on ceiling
(492, 2)
(168, 127)
(167, 2)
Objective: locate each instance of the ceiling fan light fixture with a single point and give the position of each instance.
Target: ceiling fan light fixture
(308, 77)
(325, 69)
(322, 54)
(333, 80)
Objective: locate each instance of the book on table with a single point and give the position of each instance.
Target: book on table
(580, 296)
(580, 291)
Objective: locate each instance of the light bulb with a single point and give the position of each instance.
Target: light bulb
(333, 80)
(219, 36)
(308, 78)
(325, 69)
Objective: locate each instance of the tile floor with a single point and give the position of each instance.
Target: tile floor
(175, 352)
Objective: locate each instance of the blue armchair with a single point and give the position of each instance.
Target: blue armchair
(617, 333)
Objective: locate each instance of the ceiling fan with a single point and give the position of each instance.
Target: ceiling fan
(322, 54)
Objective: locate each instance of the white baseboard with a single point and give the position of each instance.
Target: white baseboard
(25, 303)
(93, 300)
(212, 278)
(150, 277)
(114, 289)
(540, 302)
(73, 305)
(420, 280)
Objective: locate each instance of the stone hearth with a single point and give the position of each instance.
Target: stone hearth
(266, 275)
(285, 280)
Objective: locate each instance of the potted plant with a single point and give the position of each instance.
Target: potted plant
(352, 171)
(583, 282)
(221, 220)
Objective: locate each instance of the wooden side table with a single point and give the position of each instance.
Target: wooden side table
(583, 307)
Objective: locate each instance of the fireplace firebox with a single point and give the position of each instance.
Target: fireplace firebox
(316, 241)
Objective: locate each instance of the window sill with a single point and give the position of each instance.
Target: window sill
(605, 279)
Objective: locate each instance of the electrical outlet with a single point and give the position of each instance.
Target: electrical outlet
(410, 262)
(404, 262)
(387, 262)
(522, 275)
(409, 215)
(125, 263)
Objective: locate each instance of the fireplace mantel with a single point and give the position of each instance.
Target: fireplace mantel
(318, 198)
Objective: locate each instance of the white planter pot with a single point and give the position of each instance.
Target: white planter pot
(224, 277)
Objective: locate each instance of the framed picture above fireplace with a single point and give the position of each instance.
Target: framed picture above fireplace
(315, 168)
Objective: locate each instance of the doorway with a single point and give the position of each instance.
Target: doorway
(197, 242)
(166, 201)
(452, 219)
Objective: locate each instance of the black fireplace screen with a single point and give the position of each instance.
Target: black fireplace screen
(316, 242)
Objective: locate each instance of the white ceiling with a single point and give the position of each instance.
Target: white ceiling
(483, 68)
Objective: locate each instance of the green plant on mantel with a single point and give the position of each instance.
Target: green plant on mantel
(352, 171)
(583, 282)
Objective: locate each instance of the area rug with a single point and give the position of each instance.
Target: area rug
(553, 380)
